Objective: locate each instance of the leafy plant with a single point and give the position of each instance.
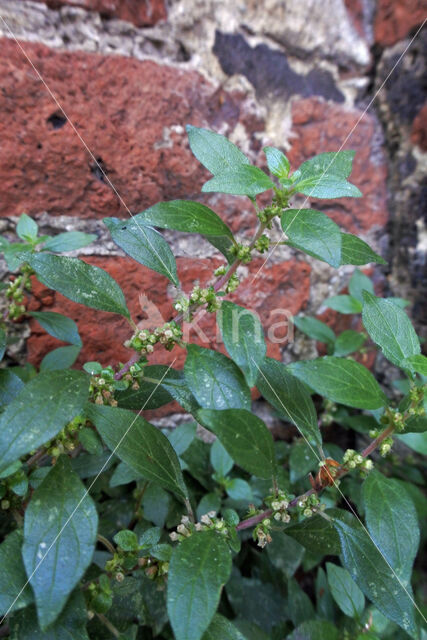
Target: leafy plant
(114, 528)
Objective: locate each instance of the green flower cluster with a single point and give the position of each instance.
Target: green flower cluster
(262, 244)
(66, 440)
(144, 340)
(208, 521)
(15, 293)
(279, 504)
(99, 596)
(353, 460)
(309, 505)
(197, 298)
(241, 252)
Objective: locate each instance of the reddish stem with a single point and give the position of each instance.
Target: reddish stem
(374, 444)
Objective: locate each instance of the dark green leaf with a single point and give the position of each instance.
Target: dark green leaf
(182, 436)
(360, 282)
(184, 215)
(209, 502)
(372, 573)
(289, 397)
(301, 606)
(60, 528)
(27, 228)
(356, 251)
(68, 241)
(58, 326)
(71, 624)
(415, 441)
(390, 328)
(257, 602)
(314, 233)
(344, 304)
(341, 380)
(80, 282)
(285, 553)
(128, 540)
(222, 629)
(243, 180)
(215, 381)
(245, 437)
(15, 254)
(392, 521)
(315, 329)
(348, 342)
(243, 338)
(302, 459)
(199, 568)
(15, 593)
(317, 535)
(10, 386)
(240, 491)
(40, 410)
(145, 245)
(416, 424)
(138, 443)
(224, 245)
(278, 163)
(90, 441)
(345, 591)
(61, 358)
(214, 151)
(315, 630)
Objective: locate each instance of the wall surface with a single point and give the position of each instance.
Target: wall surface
(306, 76)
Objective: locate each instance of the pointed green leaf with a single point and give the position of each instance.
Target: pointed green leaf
(317, 535)
(392, 521)
(70, 625)
(15, 593)
(68, 241)
(60, 528)
(343, 304)
(356, 251)
(214, 380)
(214, 151)
(390, 328)
(184, 215)
(278, 163)
(416, 363)
(315, 630)
(337, 163)
(372, 573)
(244, 180)
(341, 380)
(27, 228)
(40, 410)
(245, 437)
(314, 233)
(348, 342)
(10, 386)
(360, 282)
(79, 281)
(221, 461)
(289, 397)
(199, 568)
(314, 328)
(327, 186)
(61, 358)
(222, 629)
(345, 591)
(243, 338)
(143, 244)
(140, 445)
(58, 326)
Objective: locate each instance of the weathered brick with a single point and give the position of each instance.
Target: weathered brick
(395, 19)
(143, 13)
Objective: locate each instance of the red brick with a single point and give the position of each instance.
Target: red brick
(419, 129)
(395, 19)
(279, 286)
(321, 126)
(123, 109)
(143, 13)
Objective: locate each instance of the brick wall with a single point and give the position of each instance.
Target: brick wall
(130, 74)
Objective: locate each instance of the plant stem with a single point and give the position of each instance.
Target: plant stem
(111, 628)
(107, 544)
(374, 444)
(127, 366)
(36, 457)
(189, 510)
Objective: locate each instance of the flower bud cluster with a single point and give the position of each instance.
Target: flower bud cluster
(197, 298)
(265, 216)
(261, 533)
(241, 253)
(309, 505)
(66, 440)
(279, 504)
(13, 488)
(262, 244)
(209, 521)
(102, 387)
(385, 446)
(144, 340)
(232, 284)
(353, 460)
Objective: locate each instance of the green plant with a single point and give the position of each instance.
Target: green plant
(117, 529)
